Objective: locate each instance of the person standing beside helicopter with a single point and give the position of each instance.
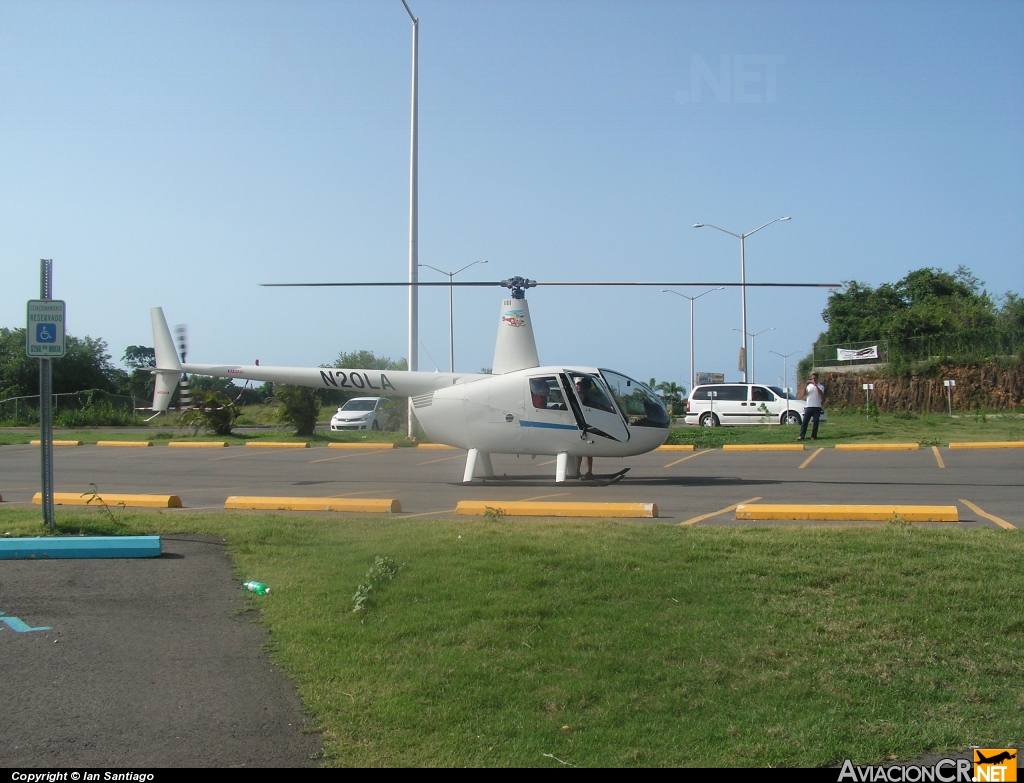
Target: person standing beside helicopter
(584, 390)
(815, 395)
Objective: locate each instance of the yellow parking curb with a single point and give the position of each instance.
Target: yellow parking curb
(129, 501)
(364, 505)
(676, 447)
(764, 447)
(1006, 444)
(128, 443)
(847, 513)
(199, 444)
(523, 508)
(58, 443)
(434, 446)
(275, 444)
(360, 445)
(877, 446)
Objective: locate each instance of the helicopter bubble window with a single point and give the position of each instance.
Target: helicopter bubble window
(546, 394)
(590, 392)
(640, 406)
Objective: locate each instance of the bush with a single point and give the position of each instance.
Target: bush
(214, 412)
(299, 407)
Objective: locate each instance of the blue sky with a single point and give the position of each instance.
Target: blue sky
(178, 154)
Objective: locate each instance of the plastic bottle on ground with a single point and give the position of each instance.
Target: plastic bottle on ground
(256, 587)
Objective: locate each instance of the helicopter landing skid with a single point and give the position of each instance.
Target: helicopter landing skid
(604, 479)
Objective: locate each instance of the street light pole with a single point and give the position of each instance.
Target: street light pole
(693, 377)
(414, 304)
(753, 351)
(451, 318)
(743, 278)
(785, 376)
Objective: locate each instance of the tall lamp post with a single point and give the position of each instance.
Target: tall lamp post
(451, 318)
(693, 377)
(785, 376)
(743, 277)
(753, 351)
(414, 302)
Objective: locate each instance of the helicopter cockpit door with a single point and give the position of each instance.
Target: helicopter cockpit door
(595, 406)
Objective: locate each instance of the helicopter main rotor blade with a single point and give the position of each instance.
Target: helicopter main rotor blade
(470, 284)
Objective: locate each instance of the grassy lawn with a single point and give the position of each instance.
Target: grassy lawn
(499, 642)
(162, 437)
(930, 430)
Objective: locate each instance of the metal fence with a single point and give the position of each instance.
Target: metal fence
(971, 343)
(25, 410)
(828, 355)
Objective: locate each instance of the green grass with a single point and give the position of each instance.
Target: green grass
(497, 642)
(928, 430)
(319, 438)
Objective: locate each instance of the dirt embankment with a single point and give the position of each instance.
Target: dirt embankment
(986, 386)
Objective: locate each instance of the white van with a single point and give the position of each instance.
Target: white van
(726, 404)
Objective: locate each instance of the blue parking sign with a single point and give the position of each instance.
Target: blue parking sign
(46, 333)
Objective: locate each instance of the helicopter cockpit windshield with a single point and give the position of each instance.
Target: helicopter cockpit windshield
(639, 405)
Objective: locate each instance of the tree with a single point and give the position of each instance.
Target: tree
(299, 407)
(140, 382)
(85, 365)
(672, 393)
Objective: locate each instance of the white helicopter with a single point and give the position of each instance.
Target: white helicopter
(564, 411)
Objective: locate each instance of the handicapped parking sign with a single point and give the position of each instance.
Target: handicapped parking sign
(44, 337)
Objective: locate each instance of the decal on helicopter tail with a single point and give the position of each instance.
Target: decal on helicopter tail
(514, 317)
(353, 380)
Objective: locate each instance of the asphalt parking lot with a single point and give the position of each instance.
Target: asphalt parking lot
(144, 663)
(684, 485)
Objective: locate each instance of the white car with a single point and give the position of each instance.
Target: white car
(724, 404)
(361, 413)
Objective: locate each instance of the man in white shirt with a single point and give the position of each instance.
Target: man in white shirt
(815, 402)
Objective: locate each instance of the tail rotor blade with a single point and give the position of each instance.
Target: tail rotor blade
(184, 385)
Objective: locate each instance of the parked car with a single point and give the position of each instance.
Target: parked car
(361, 413)
(725, 404)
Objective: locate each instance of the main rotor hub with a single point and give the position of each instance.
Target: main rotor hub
(518, 286)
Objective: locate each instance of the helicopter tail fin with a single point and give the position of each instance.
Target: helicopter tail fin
(516, 347)
(168, 368)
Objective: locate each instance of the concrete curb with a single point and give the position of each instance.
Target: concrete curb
(275, 444)
(201, 444)
(125, 443)
(847, 513)
(523, 508)
(877, 446)
(1007, 444)
(48, 548)
(364, 505)
(360, 445)
(129, 501)
(764, 447)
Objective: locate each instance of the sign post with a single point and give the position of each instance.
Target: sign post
(867, 387)
(949, 393)
(44, 340)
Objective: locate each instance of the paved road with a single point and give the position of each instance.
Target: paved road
(148, 663)
(683, 484)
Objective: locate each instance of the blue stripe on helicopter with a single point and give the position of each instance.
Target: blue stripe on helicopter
(545, 425)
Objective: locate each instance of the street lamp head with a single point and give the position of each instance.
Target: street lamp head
(698, 225)
(786, 218)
